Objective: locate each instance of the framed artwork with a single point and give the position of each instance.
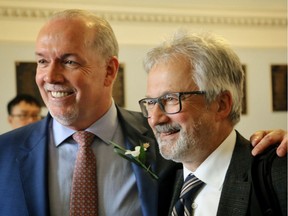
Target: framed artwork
(25, 82)
(244, 99)
(118, 89)
(279, 87)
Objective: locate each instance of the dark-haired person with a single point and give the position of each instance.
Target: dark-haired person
(22, 110)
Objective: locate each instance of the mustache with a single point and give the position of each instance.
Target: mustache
(166, 128)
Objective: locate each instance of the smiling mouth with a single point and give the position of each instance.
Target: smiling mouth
(167, 129)
(170, 132)
(60, 94)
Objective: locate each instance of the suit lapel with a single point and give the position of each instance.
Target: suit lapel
(32, 161)
(135, 135)
(177, 189)
(147, 186)
(234, 198)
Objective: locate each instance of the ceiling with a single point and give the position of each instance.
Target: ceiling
(232, 4)
(258, 5)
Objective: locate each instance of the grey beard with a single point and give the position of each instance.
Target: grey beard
(181, 150)
(177, 151)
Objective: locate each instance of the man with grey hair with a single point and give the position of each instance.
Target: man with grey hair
(194, 95)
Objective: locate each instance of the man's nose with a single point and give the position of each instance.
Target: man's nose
(157, 116)
(54, 74)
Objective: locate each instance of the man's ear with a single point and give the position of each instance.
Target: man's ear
(111, 71)
(224, 104)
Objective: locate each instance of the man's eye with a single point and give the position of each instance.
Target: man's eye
(170, 99)
(69, 62)
(41, 61)
(150, 102)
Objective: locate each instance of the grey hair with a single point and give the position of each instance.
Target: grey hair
(105, 41)
(215, 67)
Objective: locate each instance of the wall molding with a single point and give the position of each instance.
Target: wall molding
(154, 17)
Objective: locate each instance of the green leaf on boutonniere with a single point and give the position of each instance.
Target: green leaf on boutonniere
(137, 156)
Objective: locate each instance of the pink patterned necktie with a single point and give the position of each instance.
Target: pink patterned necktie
(84, 200)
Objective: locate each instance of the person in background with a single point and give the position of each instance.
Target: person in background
(194, 95)
(22, 110)
(77, 64)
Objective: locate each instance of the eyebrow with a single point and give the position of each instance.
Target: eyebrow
(38, 54)
(66, 55)
(165, 93)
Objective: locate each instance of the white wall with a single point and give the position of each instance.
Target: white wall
(258, 45)
(259, 89)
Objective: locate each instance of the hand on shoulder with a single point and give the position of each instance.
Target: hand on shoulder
(262, 139)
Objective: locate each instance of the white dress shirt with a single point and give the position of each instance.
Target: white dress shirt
(212, 172)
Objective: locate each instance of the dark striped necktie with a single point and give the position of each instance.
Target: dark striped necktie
(191, 186)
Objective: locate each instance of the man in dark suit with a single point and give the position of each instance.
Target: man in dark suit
(77, 61)
(194, 94)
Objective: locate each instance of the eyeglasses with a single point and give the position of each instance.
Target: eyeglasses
(169, 103)
(25, 116)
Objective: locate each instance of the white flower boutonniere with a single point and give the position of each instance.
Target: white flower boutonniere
(137, 156)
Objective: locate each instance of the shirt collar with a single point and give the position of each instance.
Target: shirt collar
(213, 170)
(104, 127)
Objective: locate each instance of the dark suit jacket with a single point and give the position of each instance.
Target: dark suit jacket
(24, 173)
(236, 196)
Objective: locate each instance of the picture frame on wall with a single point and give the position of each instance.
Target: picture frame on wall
(118, 89)
(244, 99)
(26, 84)
(25, 80)
(279, 87)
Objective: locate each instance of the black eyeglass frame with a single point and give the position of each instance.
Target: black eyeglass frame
(158, 101)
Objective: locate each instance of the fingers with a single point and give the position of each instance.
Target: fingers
(263, 139)
(282, 148)
(257, 137)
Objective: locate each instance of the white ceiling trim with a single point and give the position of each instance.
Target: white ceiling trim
(154, 17)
